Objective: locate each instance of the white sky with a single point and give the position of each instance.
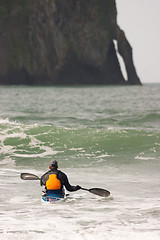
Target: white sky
(140, 20)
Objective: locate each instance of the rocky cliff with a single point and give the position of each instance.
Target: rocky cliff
(62, 42)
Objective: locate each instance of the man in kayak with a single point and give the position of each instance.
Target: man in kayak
(54, 180)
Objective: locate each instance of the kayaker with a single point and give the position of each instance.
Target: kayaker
(54, 180)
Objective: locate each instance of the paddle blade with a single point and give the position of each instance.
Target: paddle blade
(100, 192)
(29, 176)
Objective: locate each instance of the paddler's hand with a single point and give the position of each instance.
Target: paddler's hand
(78, 187)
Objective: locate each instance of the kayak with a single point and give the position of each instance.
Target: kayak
(52, 196)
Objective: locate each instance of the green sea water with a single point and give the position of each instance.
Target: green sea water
(102, 136)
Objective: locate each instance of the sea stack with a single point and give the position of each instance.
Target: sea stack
(51, 42)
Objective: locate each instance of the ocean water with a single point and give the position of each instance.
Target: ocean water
(102, 136)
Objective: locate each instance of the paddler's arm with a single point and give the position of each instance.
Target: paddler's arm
(67, 185)
(41, 181)
(44, 178)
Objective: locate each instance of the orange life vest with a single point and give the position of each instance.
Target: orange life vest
(53, 183)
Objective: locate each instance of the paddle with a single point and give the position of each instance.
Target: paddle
(98, 191)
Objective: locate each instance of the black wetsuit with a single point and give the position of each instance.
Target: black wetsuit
(61, 177)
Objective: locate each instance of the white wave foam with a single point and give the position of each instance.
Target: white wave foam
(46, 153)
(17, 133)
(76, 149)
(144, 158)
(8, 122)
(104, 155)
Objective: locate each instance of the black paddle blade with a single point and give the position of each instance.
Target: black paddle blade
(29, 176)
(100, 192)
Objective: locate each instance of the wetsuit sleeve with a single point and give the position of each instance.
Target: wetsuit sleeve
(65, 181)
(44, 179)
(41, 181)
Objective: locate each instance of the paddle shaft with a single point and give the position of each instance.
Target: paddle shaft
(85, 189)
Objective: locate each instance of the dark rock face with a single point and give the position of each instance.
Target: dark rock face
(62, 42)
